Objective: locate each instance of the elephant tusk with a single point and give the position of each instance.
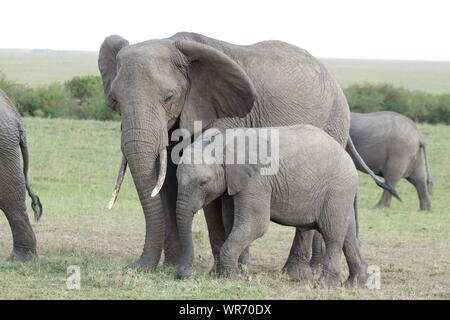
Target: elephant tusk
(162, 172)
(120, 176)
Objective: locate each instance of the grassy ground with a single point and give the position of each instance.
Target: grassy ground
(37, 68)
(73, 168)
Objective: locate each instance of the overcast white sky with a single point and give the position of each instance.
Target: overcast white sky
(381, 29)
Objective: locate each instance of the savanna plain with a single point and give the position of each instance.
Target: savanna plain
(73, 169)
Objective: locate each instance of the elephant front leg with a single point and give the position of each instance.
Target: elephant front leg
(297, 265)
(228, 220)
(24, 239)
(151, 253)
(216, 231)
(251, 221)
(172, 248)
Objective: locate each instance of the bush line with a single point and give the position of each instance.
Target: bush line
(82, 98)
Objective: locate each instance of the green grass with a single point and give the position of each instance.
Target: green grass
(73, 169)
(36, 68)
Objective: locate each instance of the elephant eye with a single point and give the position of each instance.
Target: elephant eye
(203, 183)
(168, 97)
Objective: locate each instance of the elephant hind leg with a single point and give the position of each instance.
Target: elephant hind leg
(297, 265)
(333, 223)
(24, 239)
(356, 264)
(216, 232)
(318, 252)
(418, 178)
(392, 176)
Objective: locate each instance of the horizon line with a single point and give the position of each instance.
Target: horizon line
(318, 57)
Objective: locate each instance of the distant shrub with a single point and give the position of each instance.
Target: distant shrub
(79, 98)
(84, 87)
(88, 91)
(95, 108)
(418, 105)
(52, 101)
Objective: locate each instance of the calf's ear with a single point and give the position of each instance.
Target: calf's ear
(238, 176)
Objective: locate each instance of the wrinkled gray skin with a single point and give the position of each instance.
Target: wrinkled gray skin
(314, 188)
(393, 147)
(165, 84)
(14, 182)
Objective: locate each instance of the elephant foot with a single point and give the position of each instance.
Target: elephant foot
(231, 273)
(381, 206)
(23, 255)
(170, 262)
(357, 280)
(298, 271)
(214, 272)
(315, 264)
(183, 273)
(426, 208)
(328, 281)
(243, 269)
(139, 265)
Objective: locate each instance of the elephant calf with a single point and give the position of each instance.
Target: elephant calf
(314, 188)
(392, 146)
(14, 181)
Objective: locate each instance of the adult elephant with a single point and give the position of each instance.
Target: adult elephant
(394, 148)
(161, 85)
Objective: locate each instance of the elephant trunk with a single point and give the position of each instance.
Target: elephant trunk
(184, 223)
(142, 146)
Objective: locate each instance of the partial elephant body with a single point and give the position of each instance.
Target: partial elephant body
(290, 87)
(392, 146)
(314, 188)
(14, 183)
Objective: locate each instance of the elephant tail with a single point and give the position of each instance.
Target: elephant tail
(429, 182)
(35, 201)
(385, 186)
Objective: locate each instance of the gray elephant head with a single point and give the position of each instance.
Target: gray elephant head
(201, 183)
(161, 84)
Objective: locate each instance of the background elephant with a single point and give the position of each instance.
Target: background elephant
(393, 147)
(14, 182)
(314, 188)
(161, 85)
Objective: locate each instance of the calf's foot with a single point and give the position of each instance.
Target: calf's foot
(230, 273)
(328, 280)
(299, 270)
(357, 280)
(140, 265)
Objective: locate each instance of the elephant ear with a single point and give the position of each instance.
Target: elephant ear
(238, 176)
(108, 66)
(219, 87)
(241, 167)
